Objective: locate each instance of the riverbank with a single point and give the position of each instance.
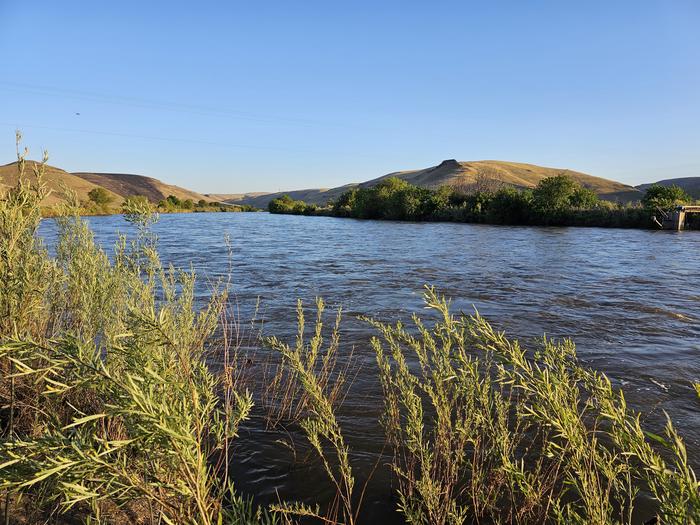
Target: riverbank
(625, 217)
(556, 201)
(98, 211)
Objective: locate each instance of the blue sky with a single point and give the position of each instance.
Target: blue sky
(266, 96)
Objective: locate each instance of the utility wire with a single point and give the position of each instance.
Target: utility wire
(17, 87)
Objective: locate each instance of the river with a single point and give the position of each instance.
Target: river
(630, 299)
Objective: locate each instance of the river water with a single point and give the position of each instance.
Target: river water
(630, 299)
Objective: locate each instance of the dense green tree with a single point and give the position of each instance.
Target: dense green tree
(345, 203)
(584, 198)
(510, 206)
(280, 204)
(285, 204)
(658, 196)
(479, 201)
(559, 193)
(439, 200)
(173, 201)
(367, 204)
(100, 196)
(554, 193)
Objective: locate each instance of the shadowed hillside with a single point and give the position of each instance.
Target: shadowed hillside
(127, 185)
(691, 185)
(463, 174)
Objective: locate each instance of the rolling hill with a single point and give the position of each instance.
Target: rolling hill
(56, 179)
(459, 173)
(691, 185)
(127, 185)
(120, 186)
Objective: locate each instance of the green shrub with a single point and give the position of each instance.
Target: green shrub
(173, 201)
(100, 196)
(657, 196)
(510, 206)
(285, 204)
(559, 193)
(485, 431)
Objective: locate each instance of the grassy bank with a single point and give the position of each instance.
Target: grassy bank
(111, 413)
(556, 201)
(170, 205)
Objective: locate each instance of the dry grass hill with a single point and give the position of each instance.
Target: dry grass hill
(223, 197)
(462, 174)
(120, 186)
(56, 179)
(127, 185)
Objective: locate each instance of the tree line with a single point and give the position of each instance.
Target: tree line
(102, 202)
(557, 200)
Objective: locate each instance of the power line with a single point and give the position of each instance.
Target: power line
(169, 139)
(154, 104)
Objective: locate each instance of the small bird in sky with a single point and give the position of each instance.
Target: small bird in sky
(78, 114)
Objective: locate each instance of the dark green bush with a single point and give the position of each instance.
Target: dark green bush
(658, 196)
(100, 196)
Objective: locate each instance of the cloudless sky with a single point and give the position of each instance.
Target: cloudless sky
(266, 96)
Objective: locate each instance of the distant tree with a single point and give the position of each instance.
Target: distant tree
(367, 204)
(187, 204)
(100, 196)
(584, 198)
(201, 203)
(554, 193)
(561, 193)
(439, 200)
(345, 203)
(174, 201)
(510, 206)
(283, 204)
(658, 196)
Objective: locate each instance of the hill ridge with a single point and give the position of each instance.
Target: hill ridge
(452, 172)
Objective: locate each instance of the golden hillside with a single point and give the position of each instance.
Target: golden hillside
(517, 174)
(56, 179)
(462, 174)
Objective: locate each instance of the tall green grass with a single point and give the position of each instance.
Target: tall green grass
(483, 429)
(314, 387)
